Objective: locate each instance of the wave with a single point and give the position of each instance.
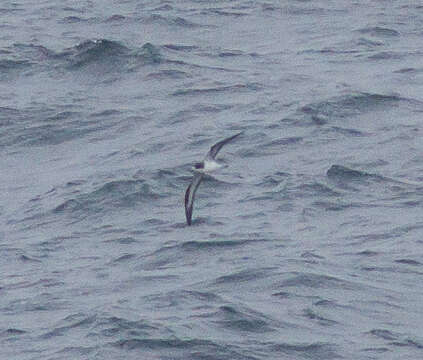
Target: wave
(7, 66)
(409, 262)
(184, 348)
(108, 52)
(272, 147)
(181, 48)
(318, 281)
(222, 12)
(247, 275)
(242, 319)
(94, 51)
(20, 60)
(170, 21)
(114, 195)
(379, 31)
(320, 319)
(273, 180)
(189, 251)
(339, 172)
(315, 350)
(44, 126)
(99, 56)
(316, 189)
(342, 107)
(345, 174)
(237, 88)
(389, 55)
(396, 339)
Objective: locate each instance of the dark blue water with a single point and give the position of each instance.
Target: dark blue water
(308, 245)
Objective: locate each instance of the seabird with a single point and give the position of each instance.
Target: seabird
(208, 165)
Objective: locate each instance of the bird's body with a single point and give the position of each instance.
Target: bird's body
(208, 166)
(200, 169)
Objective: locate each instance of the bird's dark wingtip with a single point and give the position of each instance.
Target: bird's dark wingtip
(188, 210)
(236, 135)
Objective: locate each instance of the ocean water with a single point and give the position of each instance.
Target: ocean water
(308, 245)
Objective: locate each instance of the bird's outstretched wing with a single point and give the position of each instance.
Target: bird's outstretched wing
(190, 195)
(216, 147)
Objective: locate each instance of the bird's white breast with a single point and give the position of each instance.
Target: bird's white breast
(211, 166)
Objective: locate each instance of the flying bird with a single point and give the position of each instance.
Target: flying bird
(206, 166)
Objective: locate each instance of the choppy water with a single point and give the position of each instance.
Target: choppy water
(307, 246)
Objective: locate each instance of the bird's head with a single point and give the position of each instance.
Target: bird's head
(198, 166)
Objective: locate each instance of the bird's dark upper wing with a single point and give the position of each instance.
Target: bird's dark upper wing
(216, 147)
(190, 195)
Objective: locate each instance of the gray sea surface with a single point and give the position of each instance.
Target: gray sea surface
(307, 245)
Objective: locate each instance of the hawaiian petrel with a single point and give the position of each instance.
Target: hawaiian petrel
(208, 165)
